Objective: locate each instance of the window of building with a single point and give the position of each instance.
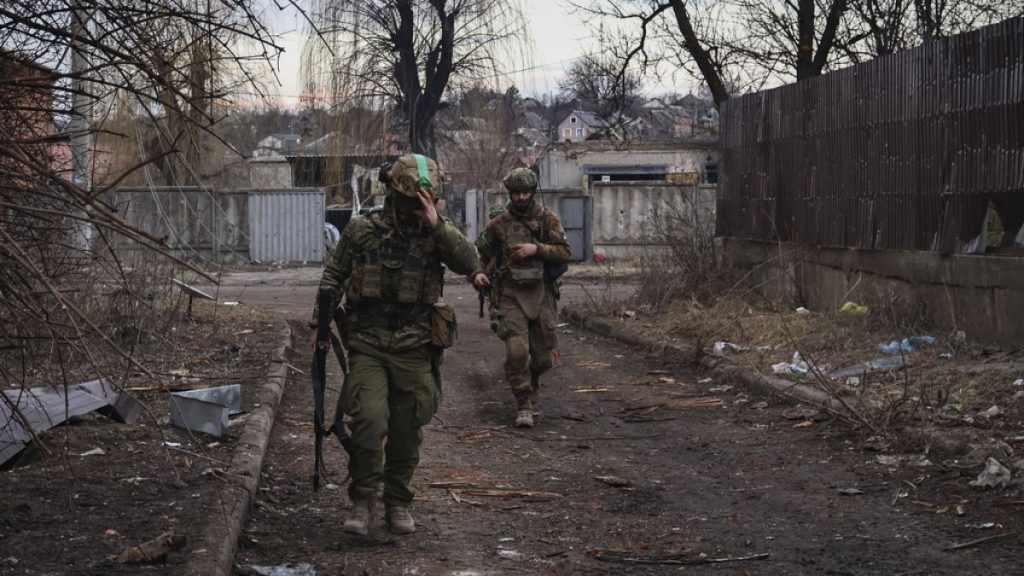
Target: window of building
(579, 132)
(566, 133)
(572, 119)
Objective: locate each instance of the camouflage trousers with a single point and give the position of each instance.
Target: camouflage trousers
(391, 395)
(529, 344)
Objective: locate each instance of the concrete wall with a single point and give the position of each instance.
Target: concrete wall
(194, 222)
(621, 214)
(563, 165)
(981, 295)
(270, 172)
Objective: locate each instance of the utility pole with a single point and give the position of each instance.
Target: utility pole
(82, 231)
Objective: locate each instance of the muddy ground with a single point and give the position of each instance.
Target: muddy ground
(638, 465)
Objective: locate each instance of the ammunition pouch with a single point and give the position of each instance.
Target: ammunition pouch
(527, 275)
(443, 325)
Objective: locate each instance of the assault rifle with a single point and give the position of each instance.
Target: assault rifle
(325, 338)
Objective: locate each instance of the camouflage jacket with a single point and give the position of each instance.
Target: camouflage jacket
(540, 226)
(390, 277)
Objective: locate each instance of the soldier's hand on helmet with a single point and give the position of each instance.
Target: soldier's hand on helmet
(523, 251)
(481, 280)
(427, 212)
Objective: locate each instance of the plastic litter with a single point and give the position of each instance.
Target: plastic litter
(782, 368)
(946, 355)
(911, 344)
(992, 412)
(876, 365)
(721, 347)
(1019, 382)
(801, 310)
(995, 475)
(850, 491)
(854, 308)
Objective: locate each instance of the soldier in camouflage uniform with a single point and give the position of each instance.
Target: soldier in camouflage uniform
(515, 248)
(387, 275)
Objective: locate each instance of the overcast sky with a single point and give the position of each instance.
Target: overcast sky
(559, 37)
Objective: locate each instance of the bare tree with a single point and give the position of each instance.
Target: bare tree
(164, 63)
(733, 45)
(602, 84)
(406, 54)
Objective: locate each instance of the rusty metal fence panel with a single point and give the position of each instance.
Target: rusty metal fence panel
(903, 152)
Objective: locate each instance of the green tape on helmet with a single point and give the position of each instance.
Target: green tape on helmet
(421, 166)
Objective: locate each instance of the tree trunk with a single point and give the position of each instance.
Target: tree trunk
(701, 56)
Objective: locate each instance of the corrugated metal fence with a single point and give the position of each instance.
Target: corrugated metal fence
(903, 152)
(286, 225)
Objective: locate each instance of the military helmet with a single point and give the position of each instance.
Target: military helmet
(521, 179)
(413, 171)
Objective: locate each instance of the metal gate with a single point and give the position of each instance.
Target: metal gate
(574, 219)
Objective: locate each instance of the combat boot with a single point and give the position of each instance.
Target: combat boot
(399, 519)
(524, 411)
(363, 504)
(534, 387)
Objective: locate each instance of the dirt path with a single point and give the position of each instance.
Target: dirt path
(635, 460)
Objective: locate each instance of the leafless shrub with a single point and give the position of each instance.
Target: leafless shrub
(687, 261)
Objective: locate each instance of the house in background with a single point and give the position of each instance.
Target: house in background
(278, 145)
(581, 125)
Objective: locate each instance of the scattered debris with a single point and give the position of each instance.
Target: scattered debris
(995, 475)
(506, 493)
(978, 541)
(871, 366)
(946, 355)
(1019, 382)
(283, 570)
(94, 452)
(801, 310)
(206, 410)
(722, 347)
(850, 491)
(40, 408)
(615, 481)
(678, 559)
(911, 344)
(155, 550)
(991, 412)
(854, 308)
(591, 390)
(192, 292)
(801, 412)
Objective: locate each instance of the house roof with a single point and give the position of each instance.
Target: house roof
(588, 118)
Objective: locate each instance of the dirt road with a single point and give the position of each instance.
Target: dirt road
(637, 466)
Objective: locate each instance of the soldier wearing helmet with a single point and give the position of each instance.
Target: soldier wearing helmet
(386, 276)
(524, 249)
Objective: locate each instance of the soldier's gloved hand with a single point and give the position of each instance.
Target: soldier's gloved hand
(427, 211)
(523, 251)
(481, 280)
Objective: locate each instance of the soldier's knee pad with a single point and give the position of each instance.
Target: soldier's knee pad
(517, 353)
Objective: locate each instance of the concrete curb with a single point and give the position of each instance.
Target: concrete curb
(720, 366)
(221, 535)
(944, 442)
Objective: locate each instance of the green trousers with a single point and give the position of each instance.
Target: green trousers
(391, 395)
(529, 344)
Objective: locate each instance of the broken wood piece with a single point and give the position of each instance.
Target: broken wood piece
(675, 559)
(591, 390)
(694, 402)
(985, 540)
(615, 481)
(506, 493)
(155, 550)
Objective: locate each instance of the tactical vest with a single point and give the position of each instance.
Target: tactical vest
(518, 231)
(391, 268)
